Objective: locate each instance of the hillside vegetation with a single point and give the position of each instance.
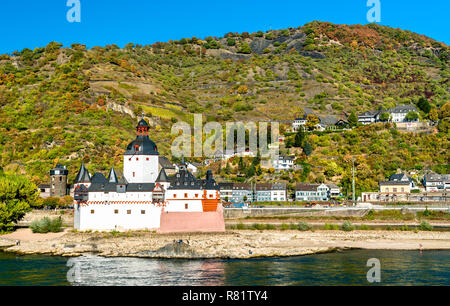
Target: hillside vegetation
(71, 104)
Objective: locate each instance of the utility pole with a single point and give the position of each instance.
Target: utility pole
(353, 182)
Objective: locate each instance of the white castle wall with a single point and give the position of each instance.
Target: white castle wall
(144, 167)
(103, 217)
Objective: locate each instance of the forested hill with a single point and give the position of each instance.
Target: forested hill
(67, 104)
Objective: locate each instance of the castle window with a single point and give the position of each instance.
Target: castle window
(129, 159)
(128, 212)
(196, 195)
(134, 174)
(116, 211)
(92, 212)
(210, 195)
(137, 158)
(148, 159)
(174, 195)
(186, 206)
(185, 195)
(142, 212)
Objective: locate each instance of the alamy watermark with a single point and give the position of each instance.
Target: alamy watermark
(374, 14)
(74, 13)
(374, 273)
(242, 138)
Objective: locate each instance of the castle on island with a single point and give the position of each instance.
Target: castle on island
(144, 197)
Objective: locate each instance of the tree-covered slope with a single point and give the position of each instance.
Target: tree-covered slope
(68, 104)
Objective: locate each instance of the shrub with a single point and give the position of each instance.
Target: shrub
(404, 228)
(284, 227)
(347, 226)
(292, 226)
(425, 226)
(364, 227)
(303, 226)
(270, 227)
(240, 226)
(46, 225)
(331, 227)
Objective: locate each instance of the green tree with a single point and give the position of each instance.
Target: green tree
(412, 116)
(385, 116)
(424, 105)
(352, 119)
(17, 195)
(245, 49)
(241, 164)
(311, 122)
(307, 149)
(299, 138)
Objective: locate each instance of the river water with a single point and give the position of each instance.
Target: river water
(341, 268)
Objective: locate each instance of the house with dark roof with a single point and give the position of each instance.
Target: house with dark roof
(369, 117)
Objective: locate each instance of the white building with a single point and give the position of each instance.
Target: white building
(283, 163)
(299, 123)
(137, 200)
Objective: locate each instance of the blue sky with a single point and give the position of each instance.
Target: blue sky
(34, 23)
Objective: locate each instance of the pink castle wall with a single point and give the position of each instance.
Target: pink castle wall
(191, 222)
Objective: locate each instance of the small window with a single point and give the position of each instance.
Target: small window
(186, 206)
(174, 195)
(137, 158)
(142, 212)
(128, 212)
(129, 159)
(116, 211)
(92, 212)
(196, 195)
(148, 159)
(185, 195)
(134, 174)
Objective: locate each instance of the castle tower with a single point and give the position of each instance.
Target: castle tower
(83, 177)
(141, 159)
(58, 180)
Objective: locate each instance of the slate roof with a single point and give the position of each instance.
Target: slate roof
(83, 175)
(112, 177)
(394, 183)
(370, 114)
(184, 180)
(165, 163)
(142, 145)
(226, 186)
(403, 109)
(162, 177)
(209, 183)
(306, 187)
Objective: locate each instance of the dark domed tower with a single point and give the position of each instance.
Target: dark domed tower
(141, 159)
(58, 179)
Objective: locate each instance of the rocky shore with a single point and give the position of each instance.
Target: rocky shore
(232, 244)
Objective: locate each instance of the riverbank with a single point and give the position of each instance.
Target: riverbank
(232, 244)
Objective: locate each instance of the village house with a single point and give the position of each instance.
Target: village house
(436, 182)
(260, 192)
(242, 192)
(311, 192)
(283, 163)
(369, 117)
(396, 114)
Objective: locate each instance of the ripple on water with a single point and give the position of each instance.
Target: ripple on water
(344, 268)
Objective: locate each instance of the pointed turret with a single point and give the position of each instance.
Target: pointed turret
(112, 178)
(83, 175)
(162, 177)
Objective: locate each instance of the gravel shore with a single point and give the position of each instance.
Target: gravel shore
(232, 244)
